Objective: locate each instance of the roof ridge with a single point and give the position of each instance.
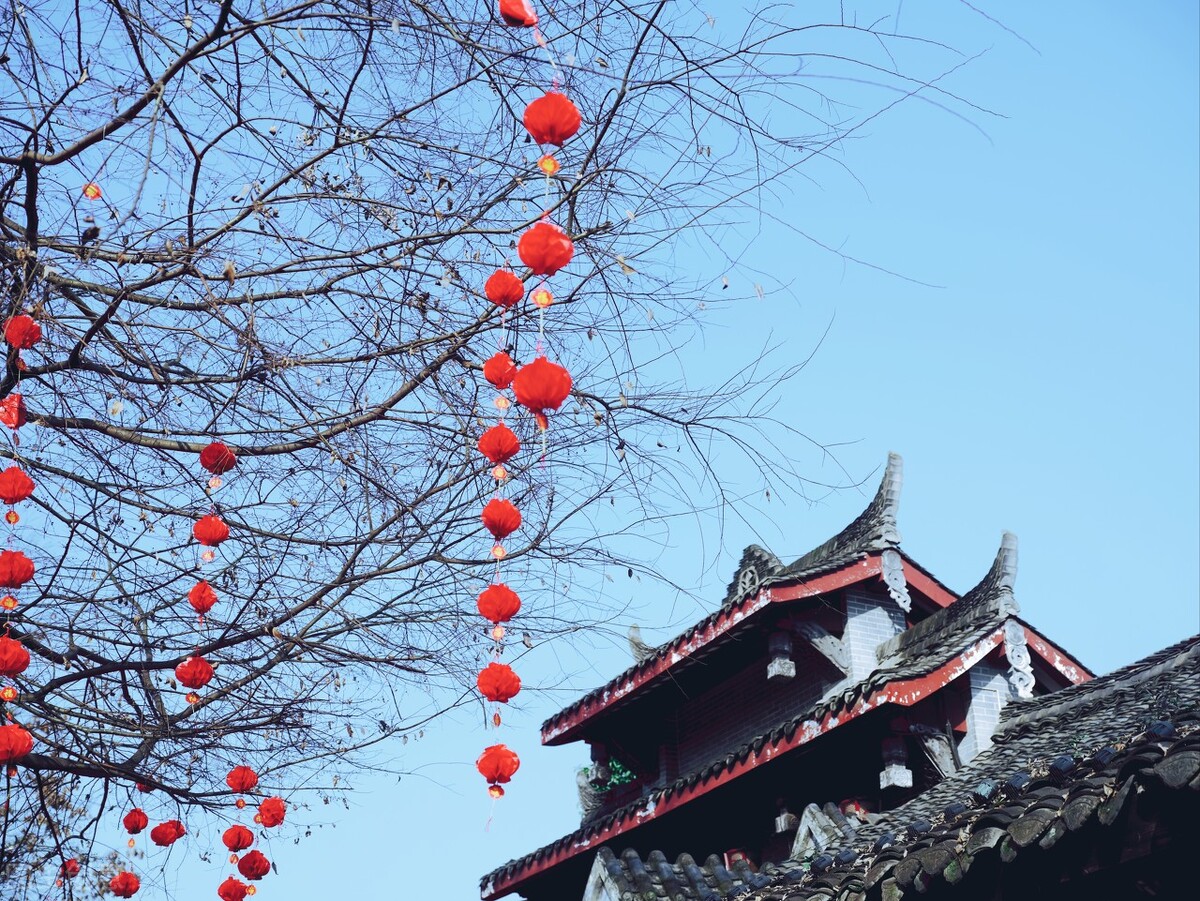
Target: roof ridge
(875, 529)
(1019, 715)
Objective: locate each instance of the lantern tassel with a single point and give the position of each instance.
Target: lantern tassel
(487, 827)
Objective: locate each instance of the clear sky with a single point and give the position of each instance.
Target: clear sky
(1049, 386)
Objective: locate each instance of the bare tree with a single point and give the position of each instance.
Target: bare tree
(300, 202)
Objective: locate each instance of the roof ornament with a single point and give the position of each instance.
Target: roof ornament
(1006, 560)
(1004, 572)
(640, 650)
(893, 578)
(889, 494)
(995, 590)
(589, 796)
(1016, 649)
(755, 569)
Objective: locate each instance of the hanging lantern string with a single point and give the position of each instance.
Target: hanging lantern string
(545, 45)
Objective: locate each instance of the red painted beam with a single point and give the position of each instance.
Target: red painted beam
(1070, 668)
(927, 585)
(849, 574)
(904, 693)
(632, 680)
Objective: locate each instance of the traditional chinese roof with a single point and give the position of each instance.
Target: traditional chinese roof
(911, 671)
(873, 531)
(1068, 761)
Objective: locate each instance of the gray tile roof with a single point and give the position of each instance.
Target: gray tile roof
(657, 878)
(1059, 763)
(874, 530)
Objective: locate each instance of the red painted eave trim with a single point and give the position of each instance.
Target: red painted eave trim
(917, 577)
(904, 693)
(568, 729)
(1062, 662)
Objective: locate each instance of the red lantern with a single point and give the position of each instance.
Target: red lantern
(501, 518)
(12, 411)
(504, 289)
(14, 659)
(499, 444)
(15, 743)
(15, 569)
(237, 838)
(498, 603)
(217, 458)
(22, 332)
(499, 370)
(232, 890)
(92, 192)
(254, 866)
(135, 821)
(497, 682)
(518, 13)
(69, 868)
(242, 779)
(552, 119)
(545, 248)
(541, 386)
(125, 885)
(195, 672)
(143, 787)
(210, 530)
(497, 764)
(166, 834)
(202, 597)
(15, 485)
(271, 811)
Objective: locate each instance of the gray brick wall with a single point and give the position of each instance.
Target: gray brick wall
(989, 693)
(870, 621)
(747, 705)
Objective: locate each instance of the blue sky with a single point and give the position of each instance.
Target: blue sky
(1050, 386)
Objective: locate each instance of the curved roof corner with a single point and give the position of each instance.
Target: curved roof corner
(875, 529)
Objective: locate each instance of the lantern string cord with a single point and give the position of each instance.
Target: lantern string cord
(545, 45)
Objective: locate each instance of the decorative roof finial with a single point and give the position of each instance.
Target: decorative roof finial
(875, 529)
(888, 497)
(1006, 560)
(996, 588)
